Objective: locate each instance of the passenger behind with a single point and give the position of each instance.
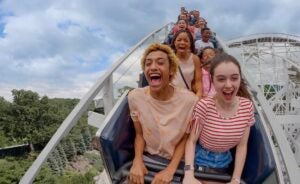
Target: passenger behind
(206, 55)
(205, 40)
(199, 25)
(214, 40)
(161, 113)
(182, 17)
(183, 12)
(197, 32)
(189, 64)
(182, 24)
(220, 123)
(195, 16)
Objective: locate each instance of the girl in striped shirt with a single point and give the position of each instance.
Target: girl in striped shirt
(220, 123)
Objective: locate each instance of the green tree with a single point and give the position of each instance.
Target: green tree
(62, 154)
(123, 89)
(46, 176)
(12, 169)
(70, 149)
(32, 119)
(3, 139)
(22, 119)
(4, 106)
(80, 145)
(87, 138)
(54, 164)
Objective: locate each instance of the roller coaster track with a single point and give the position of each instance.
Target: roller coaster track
(126, 70)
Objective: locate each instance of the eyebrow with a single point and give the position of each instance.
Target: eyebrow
(236, 74)
(159, 58)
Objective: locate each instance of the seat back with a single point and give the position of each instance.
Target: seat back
(117, 147)
(260, 162)
(143, 81)
(116, 140)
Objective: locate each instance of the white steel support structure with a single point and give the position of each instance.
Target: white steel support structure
(251, 51)
(274, 63)
(105, 83)
(108, 97)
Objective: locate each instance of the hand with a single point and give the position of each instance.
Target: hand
(137, 172)
(204, 95)
(190, 179)
(163, 177)
(200, 95)
(234, 181)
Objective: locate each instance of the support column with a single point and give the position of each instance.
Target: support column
(108, 97)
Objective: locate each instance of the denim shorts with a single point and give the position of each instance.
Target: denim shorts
(206, 158)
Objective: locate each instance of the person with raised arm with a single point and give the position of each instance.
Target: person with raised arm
(161, 114)
(220, 123)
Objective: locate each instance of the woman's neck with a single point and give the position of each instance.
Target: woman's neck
(227, 106)
(164, 94)
(183, 56)
(227, 109)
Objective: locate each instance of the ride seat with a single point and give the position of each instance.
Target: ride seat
(117, 150)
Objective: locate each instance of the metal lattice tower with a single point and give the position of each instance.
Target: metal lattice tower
(273, 60)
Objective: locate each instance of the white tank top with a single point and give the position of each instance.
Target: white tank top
(188, 71)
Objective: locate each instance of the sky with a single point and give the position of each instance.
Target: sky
(60, 48)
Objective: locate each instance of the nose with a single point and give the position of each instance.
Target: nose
(228, 83)
(153, 66)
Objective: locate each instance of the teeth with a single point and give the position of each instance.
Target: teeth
(154, 75)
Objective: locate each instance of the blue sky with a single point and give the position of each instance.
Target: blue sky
(59, 48)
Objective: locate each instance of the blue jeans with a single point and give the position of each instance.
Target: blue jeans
(206, 158)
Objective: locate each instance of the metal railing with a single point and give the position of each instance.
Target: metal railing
(105, 83)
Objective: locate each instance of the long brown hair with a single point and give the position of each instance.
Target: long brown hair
(223, 57)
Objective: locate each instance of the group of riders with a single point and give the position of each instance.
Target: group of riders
(195, 109)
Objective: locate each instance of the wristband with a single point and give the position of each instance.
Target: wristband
(188, 168)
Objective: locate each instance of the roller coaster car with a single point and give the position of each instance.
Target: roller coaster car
(117, 151)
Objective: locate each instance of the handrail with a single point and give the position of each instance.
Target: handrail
(79, 109)
(289, 160)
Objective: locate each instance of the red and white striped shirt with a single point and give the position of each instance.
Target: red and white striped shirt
(220, 134)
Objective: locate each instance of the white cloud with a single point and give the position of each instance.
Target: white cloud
(59, 48)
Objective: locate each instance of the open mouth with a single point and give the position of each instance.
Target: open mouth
(181, 47)
(155, 79)
(228, 95)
